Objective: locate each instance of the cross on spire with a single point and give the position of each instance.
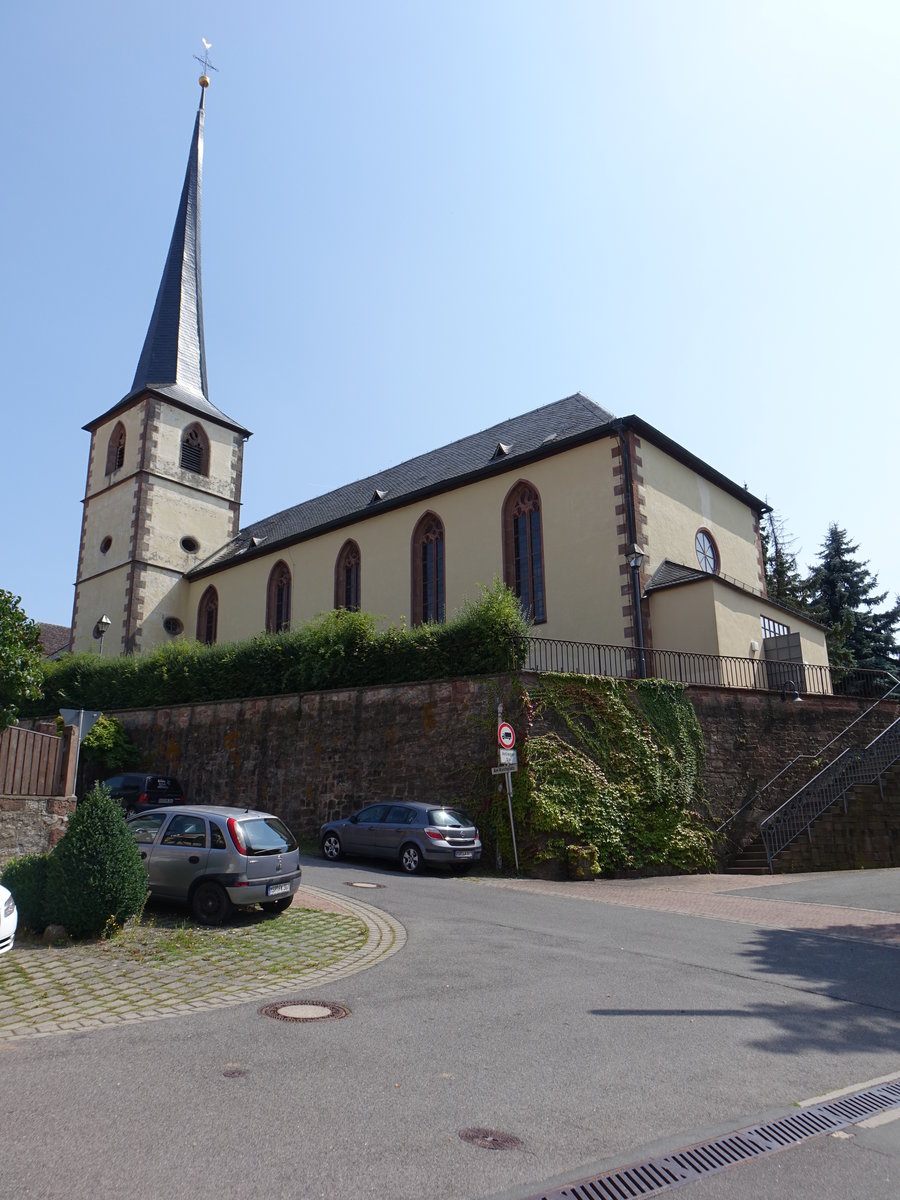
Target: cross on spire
(207, 65)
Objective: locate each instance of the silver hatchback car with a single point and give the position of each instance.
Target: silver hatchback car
(216, 858)
(408, 832)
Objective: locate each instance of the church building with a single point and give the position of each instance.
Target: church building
(609, 531)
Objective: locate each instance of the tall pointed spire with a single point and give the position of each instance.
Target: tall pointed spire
(173, 359)
(174, 356)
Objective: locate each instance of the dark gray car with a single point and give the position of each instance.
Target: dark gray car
(216, 858)
(408, 832)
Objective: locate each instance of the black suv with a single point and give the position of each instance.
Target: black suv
(139, 792)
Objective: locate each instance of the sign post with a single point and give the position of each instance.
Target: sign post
(506, 738)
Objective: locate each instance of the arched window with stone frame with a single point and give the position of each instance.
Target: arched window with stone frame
(428, 584)
(115, 449)
(278, 599)
(523, 549)
(348, 577)
(195, 450)
(208, 617)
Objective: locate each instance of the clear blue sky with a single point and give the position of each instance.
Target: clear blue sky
(421, 219)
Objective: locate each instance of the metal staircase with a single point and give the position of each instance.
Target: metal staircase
(851, 768)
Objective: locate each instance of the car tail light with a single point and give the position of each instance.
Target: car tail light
(234, 832)
(434, 834)
(142, 798)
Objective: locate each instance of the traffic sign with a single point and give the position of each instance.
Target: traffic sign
(509, 757)
(507, 769)
(506, 735)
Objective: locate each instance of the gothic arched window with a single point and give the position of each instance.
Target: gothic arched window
(195, 450)
(523, 549)
(347, 581)
(428, 570)
(208, 616)
(115, 450)
(278, 599)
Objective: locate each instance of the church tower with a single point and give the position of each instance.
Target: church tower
(164, 473)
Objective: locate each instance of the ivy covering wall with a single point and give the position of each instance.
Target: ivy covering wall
(609, 779)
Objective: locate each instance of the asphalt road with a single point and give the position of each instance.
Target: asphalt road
(592, 1032)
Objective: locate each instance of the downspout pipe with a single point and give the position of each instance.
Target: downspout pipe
(631, 522)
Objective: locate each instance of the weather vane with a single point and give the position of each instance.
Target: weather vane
(207, 65)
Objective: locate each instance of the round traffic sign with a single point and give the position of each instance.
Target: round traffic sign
(506, 735)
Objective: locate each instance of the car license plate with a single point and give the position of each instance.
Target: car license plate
(463, 853)
(278, 889)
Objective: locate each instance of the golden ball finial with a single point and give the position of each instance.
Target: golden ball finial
(204, 81)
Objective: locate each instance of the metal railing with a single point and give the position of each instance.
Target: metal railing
(712, 670)
(850, 768)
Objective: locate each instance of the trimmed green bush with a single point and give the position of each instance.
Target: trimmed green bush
(95, 879)
(26, 878)
(337, 649)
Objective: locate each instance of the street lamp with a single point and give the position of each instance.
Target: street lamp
(634, 556)
(100, 628)
(789, 691)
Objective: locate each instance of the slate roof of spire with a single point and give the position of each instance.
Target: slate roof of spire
(173, 361)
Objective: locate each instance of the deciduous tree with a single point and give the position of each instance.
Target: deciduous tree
(21, 674)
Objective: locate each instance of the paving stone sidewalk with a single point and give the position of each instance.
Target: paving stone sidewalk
(714, 896)
(46, 990)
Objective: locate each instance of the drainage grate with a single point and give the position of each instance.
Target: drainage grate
(706, 1158)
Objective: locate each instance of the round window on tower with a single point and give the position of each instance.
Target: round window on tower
(105, 544)
(173, 626)
(707, 554)
(190, 545)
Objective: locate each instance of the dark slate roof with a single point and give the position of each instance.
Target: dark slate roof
(54, 638)
(670, 574)
(504, 447)
(173, 360)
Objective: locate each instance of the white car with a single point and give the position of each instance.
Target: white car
(9, 919)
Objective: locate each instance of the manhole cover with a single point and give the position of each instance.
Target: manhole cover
(490, 1139)
(304, 1010)
(364, 885)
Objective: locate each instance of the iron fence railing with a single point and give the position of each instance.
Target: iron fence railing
(793, 679)
(850, 768)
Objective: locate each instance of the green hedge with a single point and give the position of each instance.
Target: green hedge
(338, 649)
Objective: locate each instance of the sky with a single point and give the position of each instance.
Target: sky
(422, 219)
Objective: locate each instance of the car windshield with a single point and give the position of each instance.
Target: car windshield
(266, 835)
(449, 817)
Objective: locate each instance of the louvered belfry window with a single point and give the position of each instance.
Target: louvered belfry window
(278, 599)
(428, 584)
(195, 450)
(523, 550)
(347, 578)
(115, 450)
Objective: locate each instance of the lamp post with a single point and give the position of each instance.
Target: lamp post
(100, 629)
(634, 556)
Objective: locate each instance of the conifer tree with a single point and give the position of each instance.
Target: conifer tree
(783, 581)
(842, 595)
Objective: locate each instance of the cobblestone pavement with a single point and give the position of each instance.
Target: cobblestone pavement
(713, 896)
(146, 975)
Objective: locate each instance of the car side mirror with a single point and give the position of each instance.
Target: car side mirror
(353, 819)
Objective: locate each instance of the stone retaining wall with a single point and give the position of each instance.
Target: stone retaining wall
(32, 824)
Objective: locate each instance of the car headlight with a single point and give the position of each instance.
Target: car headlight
(9, 907)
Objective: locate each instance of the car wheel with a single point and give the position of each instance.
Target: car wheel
(411, 859)
(210, 904)
(331, 847)
(276, 906)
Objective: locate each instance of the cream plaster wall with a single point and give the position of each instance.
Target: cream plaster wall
(104, 594)
(684, 618)
(108, 515)
(175, 511)
(678, 502)
(580, 555)
(163, 594)
(738, 619)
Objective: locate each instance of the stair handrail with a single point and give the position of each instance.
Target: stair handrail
(832, 783)
(812, 757)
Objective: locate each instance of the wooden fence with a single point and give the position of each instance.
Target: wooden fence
(36, 764)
